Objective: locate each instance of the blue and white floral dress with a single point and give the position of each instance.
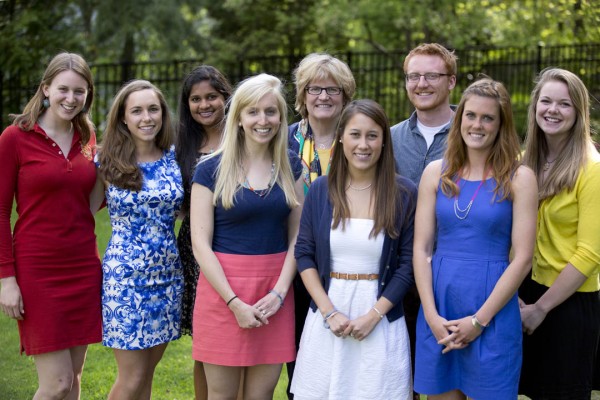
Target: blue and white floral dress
(143, 279)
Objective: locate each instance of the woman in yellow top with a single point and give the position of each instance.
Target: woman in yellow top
(560, 304)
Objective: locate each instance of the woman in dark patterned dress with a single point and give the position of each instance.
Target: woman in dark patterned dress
(204, 93)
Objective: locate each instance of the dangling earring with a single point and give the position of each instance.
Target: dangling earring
(46, 103)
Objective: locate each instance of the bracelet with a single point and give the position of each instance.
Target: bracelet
(378, 312)
(477, 324)
(272, 291)
(231, 299)
(327, 316)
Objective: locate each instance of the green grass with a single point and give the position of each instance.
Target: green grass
(173, 379)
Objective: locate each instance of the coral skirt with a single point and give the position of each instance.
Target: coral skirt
(220, 340)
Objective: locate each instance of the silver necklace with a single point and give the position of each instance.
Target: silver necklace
(463, 213)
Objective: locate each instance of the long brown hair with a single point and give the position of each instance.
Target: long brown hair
(574, 155)
(503, 157)
(35, 107)
(117, 158)
(386, 197)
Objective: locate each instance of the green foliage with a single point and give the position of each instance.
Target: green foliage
(222, 32)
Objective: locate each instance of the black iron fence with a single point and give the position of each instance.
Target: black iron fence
(379, 76)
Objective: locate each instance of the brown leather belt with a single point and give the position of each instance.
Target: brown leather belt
(353, 277)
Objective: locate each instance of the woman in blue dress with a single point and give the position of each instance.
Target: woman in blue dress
(473, 205)
(142, 275)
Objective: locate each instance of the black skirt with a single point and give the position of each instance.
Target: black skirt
(560, 356)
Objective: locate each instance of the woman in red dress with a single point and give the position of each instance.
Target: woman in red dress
(50, 273)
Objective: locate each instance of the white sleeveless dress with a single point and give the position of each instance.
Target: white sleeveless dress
(329, 367)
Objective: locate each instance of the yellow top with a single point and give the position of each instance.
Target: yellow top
(324, 155)
(568, 231)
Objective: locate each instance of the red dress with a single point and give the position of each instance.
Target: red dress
(52, 251)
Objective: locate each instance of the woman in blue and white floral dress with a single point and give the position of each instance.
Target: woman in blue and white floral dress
(143, 278)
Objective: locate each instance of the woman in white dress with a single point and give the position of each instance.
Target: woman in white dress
(354, 254)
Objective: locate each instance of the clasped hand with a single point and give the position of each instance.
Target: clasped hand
(455, 334)
(358, 328)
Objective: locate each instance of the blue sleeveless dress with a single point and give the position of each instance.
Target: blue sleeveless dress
(471, 255)
(142, 275)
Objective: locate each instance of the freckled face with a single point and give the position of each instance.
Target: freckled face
(425, 95)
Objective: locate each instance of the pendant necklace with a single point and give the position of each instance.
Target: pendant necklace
(261, 192)
(462, 213)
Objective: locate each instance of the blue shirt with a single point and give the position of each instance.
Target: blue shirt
(254, 225)
(410, 148)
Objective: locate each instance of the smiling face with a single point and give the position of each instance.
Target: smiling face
(480, 122)
(67, 94)
(261, 121)
(324, 106)
(143, 116)
(554, 112)
(425, 95)
(207, 105)
(362, 142)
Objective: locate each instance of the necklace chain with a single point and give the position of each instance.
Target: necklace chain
(358, 189)
(548, 164)
(463, 213)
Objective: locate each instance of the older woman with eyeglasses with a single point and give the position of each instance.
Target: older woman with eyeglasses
(324, 85)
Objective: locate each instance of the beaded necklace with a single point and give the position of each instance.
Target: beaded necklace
(261, 192)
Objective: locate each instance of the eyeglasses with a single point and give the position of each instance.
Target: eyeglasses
(316, 90)
(429, 77)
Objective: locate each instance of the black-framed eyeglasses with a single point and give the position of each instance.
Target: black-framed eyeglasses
(317, 90)
(429, 77)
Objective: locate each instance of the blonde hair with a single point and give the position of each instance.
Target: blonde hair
(233, 152)
(320, 66)
(503, 157)
(573, 157)
(35, 107)
(117, 158)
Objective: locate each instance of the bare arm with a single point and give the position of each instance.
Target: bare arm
(97, 194)
(425, 226)
(337, 322)
(567, 283)
(202, 228)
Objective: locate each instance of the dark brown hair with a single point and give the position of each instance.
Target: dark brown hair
(386, 197)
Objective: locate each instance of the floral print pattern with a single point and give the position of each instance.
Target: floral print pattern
(142, 274)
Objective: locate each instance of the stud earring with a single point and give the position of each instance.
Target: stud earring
(46, 103)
